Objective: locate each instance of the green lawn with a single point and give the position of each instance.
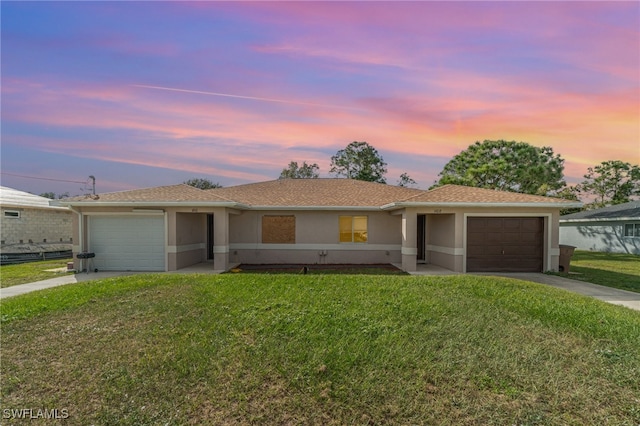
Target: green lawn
(29, 272)
(320, 349)
(610, 269)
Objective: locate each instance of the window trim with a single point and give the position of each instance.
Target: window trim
(635, 230)
(14, 214)
(353, 229)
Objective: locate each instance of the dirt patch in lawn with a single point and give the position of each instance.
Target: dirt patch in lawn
(374, 269)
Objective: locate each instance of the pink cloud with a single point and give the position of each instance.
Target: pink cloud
(180, 131)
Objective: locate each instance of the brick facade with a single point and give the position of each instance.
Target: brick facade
(35, 226)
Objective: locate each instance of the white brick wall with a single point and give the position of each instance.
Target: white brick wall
(37, 225)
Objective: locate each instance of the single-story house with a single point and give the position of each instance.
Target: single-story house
(319, 221)
(614, 229)
(30, 224)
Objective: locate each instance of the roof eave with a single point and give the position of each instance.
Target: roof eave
(23, 206)
(156, 204)
(316, 208)
(600, 219)
(400, 205)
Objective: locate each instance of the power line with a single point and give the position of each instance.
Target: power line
(41, 178)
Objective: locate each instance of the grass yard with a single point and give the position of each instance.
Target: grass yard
(320, 349)
(611, 269)
(31, 271)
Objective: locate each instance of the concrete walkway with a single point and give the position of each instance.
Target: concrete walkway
(55, 282)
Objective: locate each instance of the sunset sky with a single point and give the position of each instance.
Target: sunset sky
(142, 94)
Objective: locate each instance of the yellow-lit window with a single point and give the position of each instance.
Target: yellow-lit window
(353, 229)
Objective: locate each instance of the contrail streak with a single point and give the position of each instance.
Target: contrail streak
(253, 98)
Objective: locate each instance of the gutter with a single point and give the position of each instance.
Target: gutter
(601, 219)
(230, 204)
(156, 204)
(316, 208)
(404, 204)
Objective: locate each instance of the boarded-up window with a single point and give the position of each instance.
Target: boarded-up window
(279, 229)
(353, 229)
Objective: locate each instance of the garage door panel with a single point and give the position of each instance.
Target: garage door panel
(487, 250)
(511, 224)
(493, 224)
(510, 237)
(492, 238)
(511, 244)
(127, 242)
(529, 237)
(531, 225)
(521, 251)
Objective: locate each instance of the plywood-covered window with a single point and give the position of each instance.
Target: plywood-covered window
(279, 229)
(353, 229)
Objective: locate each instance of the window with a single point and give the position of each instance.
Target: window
(278, 229)
(12, 213)
(353, 229)
(632, 230)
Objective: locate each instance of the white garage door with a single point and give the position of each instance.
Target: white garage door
(127, 243)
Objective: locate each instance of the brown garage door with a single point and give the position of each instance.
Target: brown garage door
(504, 244)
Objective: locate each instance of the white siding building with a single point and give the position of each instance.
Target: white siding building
(613, 229)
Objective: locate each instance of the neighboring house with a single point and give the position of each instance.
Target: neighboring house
(29, 224)
(316, 221)
(614, 229)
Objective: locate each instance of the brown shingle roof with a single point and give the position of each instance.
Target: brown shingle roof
(321, 193)
(468, 194)
(172, 193)
(316, 193)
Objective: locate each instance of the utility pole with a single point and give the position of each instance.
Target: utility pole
(93, 178)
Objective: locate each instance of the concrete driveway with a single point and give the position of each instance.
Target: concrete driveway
(606, 294)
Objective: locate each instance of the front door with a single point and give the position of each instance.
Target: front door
(421, 240)
(209, 237)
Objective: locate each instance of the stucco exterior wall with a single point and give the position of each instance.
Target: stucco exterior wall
(36, 226)
(316, 239)
(441, 240)
(603, 236)
(392, 236)
(190, 238)
(446, 233)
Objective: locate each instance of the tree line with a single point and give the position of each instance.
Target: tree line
(503, 165)
(358, 160)
(523, 168)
